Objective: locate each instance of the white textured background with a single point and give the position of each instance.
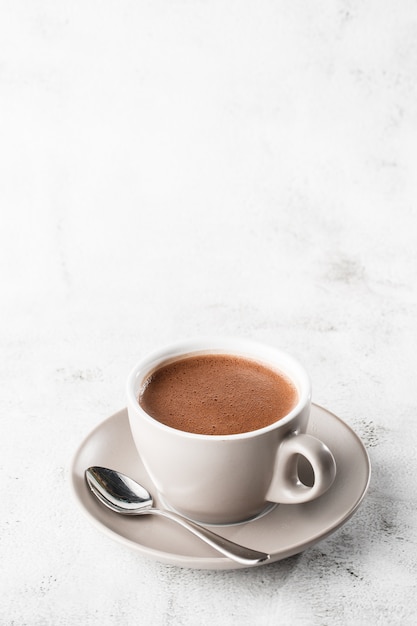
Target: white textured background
(171, 168)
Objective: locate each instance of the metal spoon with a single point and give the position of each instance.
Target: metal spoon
(124, 495)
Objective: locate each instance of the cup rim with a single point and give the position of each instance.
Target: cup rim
(235, 346)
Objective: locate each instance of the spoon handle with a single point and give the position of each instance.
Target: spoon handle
(236, 552)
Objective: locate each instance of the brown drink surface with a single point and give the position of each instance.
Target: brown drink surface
(217, 394)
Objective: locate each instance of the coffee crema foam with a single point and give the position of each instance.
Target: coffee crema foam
(217, 394)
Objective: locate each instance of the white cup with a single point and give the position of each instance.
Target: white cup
(224, 479)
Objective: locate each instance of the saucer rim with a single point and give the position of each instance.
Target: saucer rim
(214, 562)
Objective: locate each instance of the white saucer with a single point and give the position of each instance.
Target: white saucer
(287, 530)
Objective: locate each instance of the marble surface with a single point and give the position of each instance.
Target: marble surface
(170, 169)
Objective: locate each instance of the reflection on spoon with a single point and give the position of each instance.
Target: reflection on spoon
(124, 495)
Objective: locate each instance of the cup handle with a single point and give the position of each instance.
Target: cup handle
(286, 486)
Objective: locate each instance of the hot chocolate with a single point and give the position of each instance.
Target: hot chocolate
(217, 394)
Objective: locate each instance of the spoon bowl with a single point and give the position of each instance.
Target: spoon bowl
(117, 491)
(125, 496)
